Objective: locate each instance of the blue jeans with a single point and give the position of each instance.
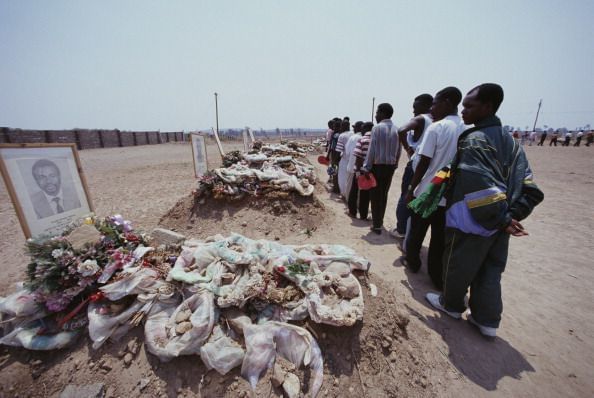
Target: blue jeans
(402, 212)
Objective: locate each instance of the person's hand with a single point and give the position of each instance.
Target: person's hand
(515, 228)
(365, 173)
(409, 197)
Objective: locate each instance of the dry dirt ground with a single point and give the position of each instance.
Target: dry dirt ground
(545, 346)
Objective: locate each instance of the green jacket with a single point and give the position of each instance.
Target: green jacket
(491, 181)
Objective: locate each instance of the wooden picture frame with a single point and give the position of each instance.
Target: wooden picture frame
(46, 185)
(199, 156)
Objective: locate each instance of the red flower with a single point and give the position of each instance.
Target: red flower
(132, 238)
(97, 296)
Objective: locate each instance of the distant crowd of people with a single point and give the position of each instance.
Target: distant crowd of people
(531, 138)
(464, 178)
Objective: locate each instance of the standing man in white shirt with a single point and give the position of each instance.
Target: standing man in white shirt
(436, 150)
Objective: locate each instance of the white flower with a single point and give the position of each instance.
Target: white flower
(88, 268)
(56, 253)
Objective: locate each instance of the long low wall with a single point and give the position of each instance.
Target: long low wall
(88, 139)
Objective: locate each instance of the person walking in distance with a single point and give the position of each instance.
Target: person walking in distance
(554, 139)
(543, 137)
(578, 138)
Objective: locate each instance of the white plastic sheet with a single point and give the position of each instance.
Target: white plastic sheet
(221, 352)
(264, 342)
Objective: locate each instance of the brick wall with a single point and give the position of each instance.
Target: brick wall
(87, 139)
(109, 138)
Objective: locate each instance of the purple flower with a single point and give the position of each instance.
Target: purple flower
(118, 220)
(57, 302)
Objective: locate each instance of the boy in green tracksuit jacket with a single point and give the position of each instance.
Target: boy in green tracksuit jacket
(490, 191)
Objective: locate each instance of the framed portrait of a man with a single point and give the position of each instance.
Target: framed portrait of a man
(199, 154)
(46, 185)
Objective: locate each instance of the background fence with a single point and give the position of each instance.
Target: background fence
(88, 139)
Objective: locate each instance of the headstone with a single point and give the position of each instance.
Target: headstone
(82, 235)
(161, 236)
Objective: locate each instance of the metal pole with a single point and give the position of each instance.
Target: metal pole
(372, 108)
(217, 111)
(537, 112)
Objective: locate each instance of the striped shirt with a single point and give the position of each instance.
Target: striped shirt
(362, 147)
(384, 147)
(342, 140)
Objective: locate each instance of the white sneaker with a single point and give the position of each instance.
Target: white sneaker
(435, 300)
(395, 234)
(485, 330)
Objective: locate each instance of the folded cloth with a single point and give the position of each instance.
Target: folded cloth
(429, 200)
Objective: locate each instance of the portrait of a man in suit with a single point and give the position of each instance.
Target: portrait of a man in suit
(53, 197)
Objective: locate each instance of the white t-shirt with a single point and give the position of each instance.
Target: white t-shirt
(415, 157)
(439, 143)
(579, 134)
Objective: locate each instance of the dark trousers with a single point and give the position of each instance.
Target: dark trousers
(542, 139)
(476, 262)
(402, 211)
(335, 161)
(578, 141)
(379, 195)
(414, 242)
(553, 142)
(358, 200)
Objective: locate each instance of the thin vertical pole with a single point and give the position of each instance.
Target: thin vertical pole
(372, 108)
(217, 110)
(537, 112)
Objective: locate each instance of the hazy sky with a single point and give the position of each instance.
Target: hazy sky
(137, 65)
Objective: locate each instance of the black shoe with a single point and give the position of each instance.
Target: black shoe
(376, 230)
(406, 263)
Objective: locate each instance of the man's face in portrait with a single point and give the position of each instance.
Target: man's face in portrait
(48, 179)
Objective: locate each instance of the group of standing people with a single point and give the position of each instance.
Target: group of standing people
(464, 178)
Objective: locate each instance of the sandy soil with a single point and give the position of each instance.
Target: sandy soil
(545, 345)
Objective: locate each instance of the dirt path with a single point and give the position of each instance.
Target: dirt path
(546, 341)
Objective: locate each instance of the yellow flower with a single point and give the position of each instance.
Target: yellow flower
(88, 221)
